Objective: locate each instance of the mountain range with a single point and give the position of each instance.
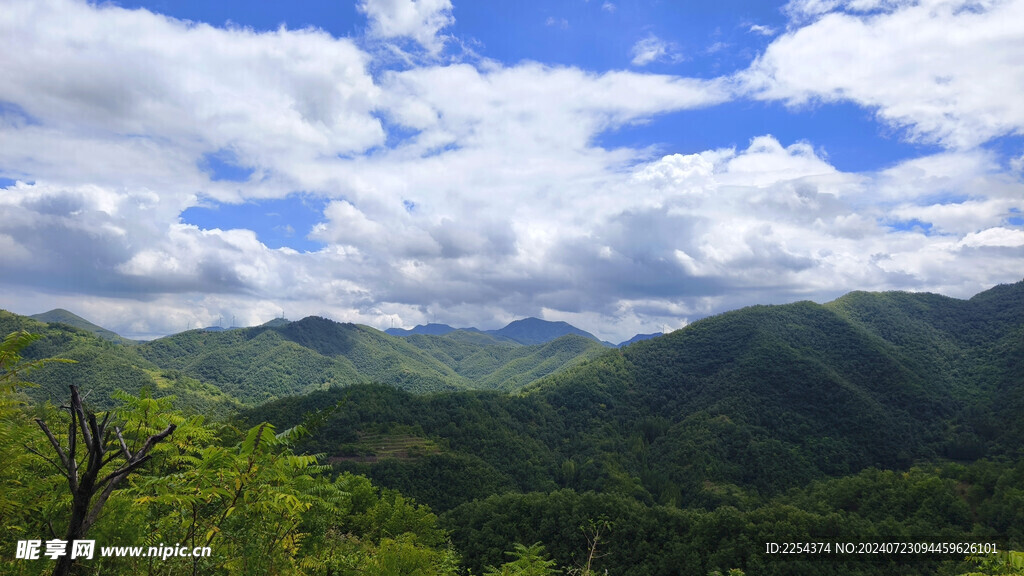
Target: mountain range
(526, 331)
(773, 395)
(245, 366)
(877, 417)
(729, 413)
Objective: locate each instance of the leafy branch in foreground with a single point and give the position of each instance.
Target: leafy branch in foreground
(15, 429)
(1005, 563)
(527, 561)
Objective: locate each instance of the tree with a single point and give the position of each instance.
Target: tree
(86, 479)
(593, 531)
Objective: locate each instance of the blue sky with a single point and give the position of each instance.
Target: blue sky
(624, 166)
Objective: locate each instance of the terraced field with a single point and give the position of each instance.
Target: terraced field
(376, 447)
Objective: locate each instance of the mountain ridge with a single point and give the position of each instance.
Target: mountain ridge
(525, 331)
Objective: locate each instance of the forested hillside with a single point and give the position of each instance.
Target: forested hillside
(731, 412)
(102, 368)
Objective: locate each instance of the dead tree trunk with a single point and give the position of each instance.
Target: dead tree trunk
(83, 477)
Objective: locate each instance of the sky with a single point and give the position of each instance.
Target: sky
(626, 166)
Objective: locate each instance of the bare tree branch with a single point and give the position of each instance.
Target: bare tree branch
(54, 442)
(76, 406)
(124, 447)
(72, 447)
(55, 465)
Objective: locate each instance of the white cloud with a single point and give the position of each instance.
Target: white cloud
(811, 8)
(421, 20)
(653, 49)
(276, 99)
(557, 22)
(1005, 237)
(762, 30)
(1017, 163)
(945, 70)
(608, 7)
(496, 201)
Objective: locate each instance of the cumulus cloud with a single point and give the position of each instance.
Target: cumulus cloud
(998, 236)
(491, 199)
(421, 20)
(944, 70)
(143, 97)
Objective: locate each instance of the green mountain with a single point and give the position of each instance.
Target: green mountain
(875, 418)
(281, 358)
(284, 359)
(493, 363)
(102, 368)
(61, 316)
(764, 399)
(271, 361)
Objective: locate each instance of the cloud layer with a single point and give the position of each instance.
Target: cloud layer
(946, 71)
(475, 193)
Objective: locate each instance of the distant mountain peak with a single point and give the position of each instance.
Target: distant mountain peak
(427, 329)
(640, 338)
(536, 331)
(62, 316)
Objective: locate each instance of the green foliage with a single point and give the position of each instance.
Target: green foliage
(526, 561)
(12, 365)
(1006, 563)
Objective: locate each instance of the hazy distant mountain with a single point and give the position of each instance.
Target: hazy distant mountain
(428, 329)
(640, 338)
(537, 331)
(61, 316)
(528, 331)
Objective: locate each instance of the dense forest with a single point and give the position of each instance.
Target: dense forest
(875, 418)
